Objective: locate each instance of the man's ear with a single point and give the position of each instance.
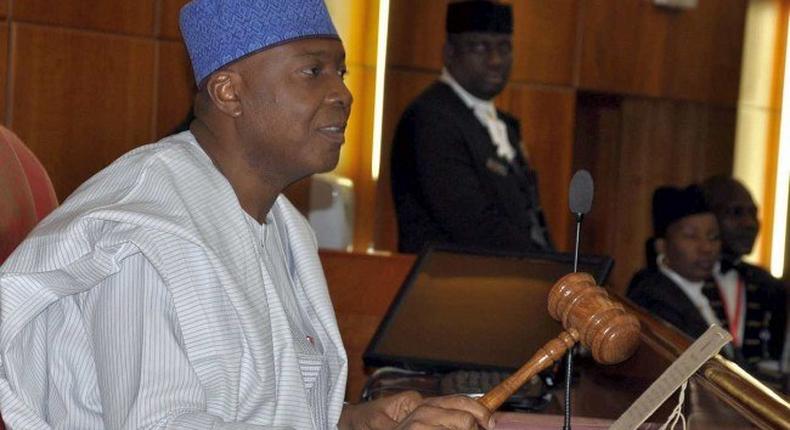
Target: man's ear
(223, 90)
(447, 52)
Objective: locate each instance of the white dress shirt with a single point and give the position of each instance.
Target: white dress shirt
(485, 111)
(693, 291)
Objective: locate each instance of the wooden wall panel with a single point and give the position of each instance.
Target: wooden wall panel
(362, 288)
(3, 8)
(357, 152)
(544, 40)
(176, 88)
(634, 47)
(597, 149)
(547, 120)
(416, 33)
(703, 61)
(657, 142)
(3, 68)
(168, 27)
(128, 17)
(76, 104)
(402, 87)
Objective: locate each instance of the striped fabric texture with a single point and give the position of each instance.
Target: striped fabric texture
(147, 300)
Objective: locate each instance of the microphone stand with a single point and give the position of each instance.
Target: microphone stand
(571, 350)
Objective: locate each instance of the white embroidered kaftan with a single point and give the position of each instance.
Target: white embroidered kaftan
(142, 302)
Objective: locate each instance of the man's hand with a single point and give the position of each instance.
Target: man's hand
(409, 410)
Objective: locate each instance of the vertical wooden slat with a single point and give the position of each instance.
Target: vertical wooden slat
(176, 87)
(544, 39)
(635, 47)
(168, 23)
(4, 84)
(80, 99)
(127, 17)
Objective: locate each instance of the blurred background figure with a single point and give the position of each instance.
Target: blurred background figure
(687, 246)
(459, 174)
(762, 323)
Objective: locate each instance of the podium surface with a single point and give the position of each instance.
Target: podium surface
(720, 394)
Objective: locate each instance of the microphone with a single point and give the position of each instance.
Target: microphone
(580, 197)
(581, 192)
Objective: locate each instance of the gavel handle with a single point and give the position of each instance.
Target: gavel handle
(552, 351)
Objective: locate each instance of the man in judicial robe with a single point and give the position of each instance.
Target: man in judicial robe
(459, 173)
(684, 286)
(762, 321)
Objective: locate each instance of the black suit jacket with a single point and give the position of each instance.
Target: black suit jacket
(450, 186)
(764, 328)
(766, 313)
(655, 292)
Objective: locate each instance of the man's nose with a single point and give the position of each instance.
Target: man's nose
(495, 57)
(340, 94)
(708, 246)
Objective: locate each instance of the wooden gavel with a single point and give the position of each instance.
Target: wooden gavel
(587, 314)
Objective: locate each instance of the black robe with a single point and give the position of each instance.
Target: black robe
(764, 328)
(450, 186)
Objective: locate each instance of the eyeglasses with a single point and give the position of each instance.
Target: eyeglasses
(486, 48)
(739, 211)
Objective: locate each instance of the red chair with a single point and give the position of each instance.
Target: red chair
(26, 193)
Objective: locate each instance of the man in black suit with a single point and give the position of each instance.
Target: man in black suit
(763, 329)
(459, 175)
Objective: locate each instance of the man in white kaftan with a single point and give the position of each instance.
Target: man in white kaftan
(178, 288)
(198, 326)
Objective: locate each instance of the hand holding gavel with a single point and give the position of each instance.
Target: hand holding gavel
(587, 314)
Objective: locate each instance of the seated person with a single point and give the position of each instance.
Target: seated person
(687, 245)
(761, 330)
(178, 288)
(681, 289)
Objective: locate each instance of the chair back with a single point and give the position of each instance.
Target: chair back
(26, 192)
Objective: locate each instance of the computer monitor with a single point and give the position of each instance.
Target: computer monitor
(468, 309)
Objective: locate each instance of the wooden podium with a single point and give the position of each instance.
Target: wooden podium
(721, 395)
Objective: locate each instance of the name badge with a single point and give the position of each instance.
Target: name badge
(496, 167)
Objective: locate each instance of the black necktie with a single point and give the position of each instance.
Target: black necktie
(725, 265)
(711, 291)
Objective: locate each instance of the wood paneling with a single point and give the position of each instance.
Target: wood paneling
(640, 144)
(547, 119)
(402, 87)
(416, 33)
(3, 8)
(128, 17)
(356, 155)
(544, 40)
(362, 288)
(169, 19)
(176, 89)
(79, 99)
(634, 47)
(3, 68)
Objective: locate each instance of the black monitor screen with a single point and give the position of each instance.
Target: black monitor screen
(467, 310)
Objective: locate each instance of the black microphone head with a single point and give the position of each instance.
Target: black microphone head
(581, 192)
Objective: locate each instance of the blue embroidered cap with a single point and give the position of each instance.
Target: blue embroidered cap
(219, 32)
